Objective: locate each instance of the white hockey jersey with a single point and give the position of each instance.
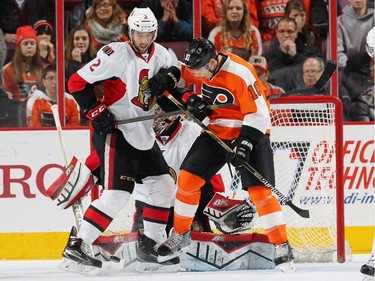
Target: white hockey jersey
(174, 148)
(125, 74)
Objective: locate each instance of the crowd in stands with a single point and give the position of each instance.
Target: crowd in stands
(285, 40)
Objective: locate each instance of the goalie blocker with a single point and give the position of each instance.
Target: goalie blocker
(73, 184)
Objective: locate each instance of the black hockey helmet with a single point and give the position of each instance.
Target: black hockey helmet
(199, 52)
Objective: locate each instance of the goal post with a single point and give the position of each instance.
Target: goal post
(307, 139)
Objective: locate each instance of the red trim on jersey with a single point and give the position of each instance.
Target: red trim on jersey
(175, 132)
(76, 83)
(114, 90)
(151, 48)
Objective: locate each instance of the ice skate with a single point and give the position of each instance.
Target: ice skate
(176, 245)
(284, 258)
(147, 257)
(368, 269)
(77, 258)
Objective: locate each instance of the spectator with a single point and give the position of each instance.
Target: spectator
(106, 23)
(286, 55)
(269, 13)
(13, 14)
(77, 16)
(312, 69)
(358, 83)
(296, 10)
(211, 13)
(243, 53)
(39, 113)
(352, 28)
(45, 35)
(79, 50)
(10, 111)
(261, 66)
(41, 9)
(320, 17)
(235, 29)
(25, 70)
(175, 19)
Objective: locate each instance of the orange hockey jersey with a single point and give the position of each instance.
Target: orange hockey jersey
(236, 82)
(39, 113)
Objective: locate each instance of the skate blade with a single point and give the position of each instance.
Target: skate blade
(368, 278)
(108, 267)
(143, 267)
(173, 255)
(287, 267)
(73, 266)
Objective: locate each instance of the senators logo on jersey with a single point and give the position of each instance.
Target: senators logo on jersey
(144, 100)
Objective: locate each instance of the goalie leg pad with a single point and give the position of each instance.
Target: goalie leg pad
(72, 185)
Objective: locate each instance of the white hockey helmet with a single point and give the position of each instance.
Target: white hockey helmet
(370, 42)
(143, 20)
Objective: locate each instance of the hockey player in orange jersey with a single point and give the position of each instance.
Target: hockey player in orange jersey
(225, 78)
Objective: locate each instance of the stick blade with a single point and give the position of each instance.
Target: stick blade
(326, 75)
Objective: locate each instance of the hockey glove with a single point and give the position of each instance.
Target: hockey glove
(198, 107)
(241, 153)
(164, 80)
(101, 119)
(246, 215)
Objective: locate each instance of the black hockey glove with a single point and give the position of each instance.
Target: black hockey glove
(241, 153)
(101, 119)
(164, 80)
(198, 107)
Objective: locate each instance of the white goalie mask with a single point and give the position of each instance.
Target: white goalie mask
(142, 20)
(370, 42)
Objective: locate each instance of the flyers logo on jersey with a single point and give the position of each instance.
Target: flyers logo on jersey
(145, 99)
(215, 95)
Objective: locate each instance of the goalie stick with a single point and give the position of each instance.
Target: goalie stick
(77, 206)
(167, 114)
(282, 199)
(317, 87)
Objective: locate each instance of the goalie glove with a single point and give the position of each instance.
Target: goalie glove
(101, 119)
(72, 185)
(229, 215)
(164, 80)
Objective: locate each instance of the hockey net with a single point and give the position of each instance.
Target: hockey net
(306, 137)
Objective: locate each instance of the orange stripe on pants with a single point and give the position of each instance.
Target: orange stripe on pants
(266, 204)
(188, 192)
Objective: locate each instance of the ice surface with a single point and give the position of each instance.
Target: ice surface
(48, 270)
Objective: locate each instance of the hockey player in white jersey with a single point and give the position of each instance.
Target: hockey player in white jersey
(127, 152)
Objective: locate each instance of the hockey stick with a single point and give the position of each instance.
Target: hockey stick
(167, 114)
(317, 87)
(303, 213)
(77, 206)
